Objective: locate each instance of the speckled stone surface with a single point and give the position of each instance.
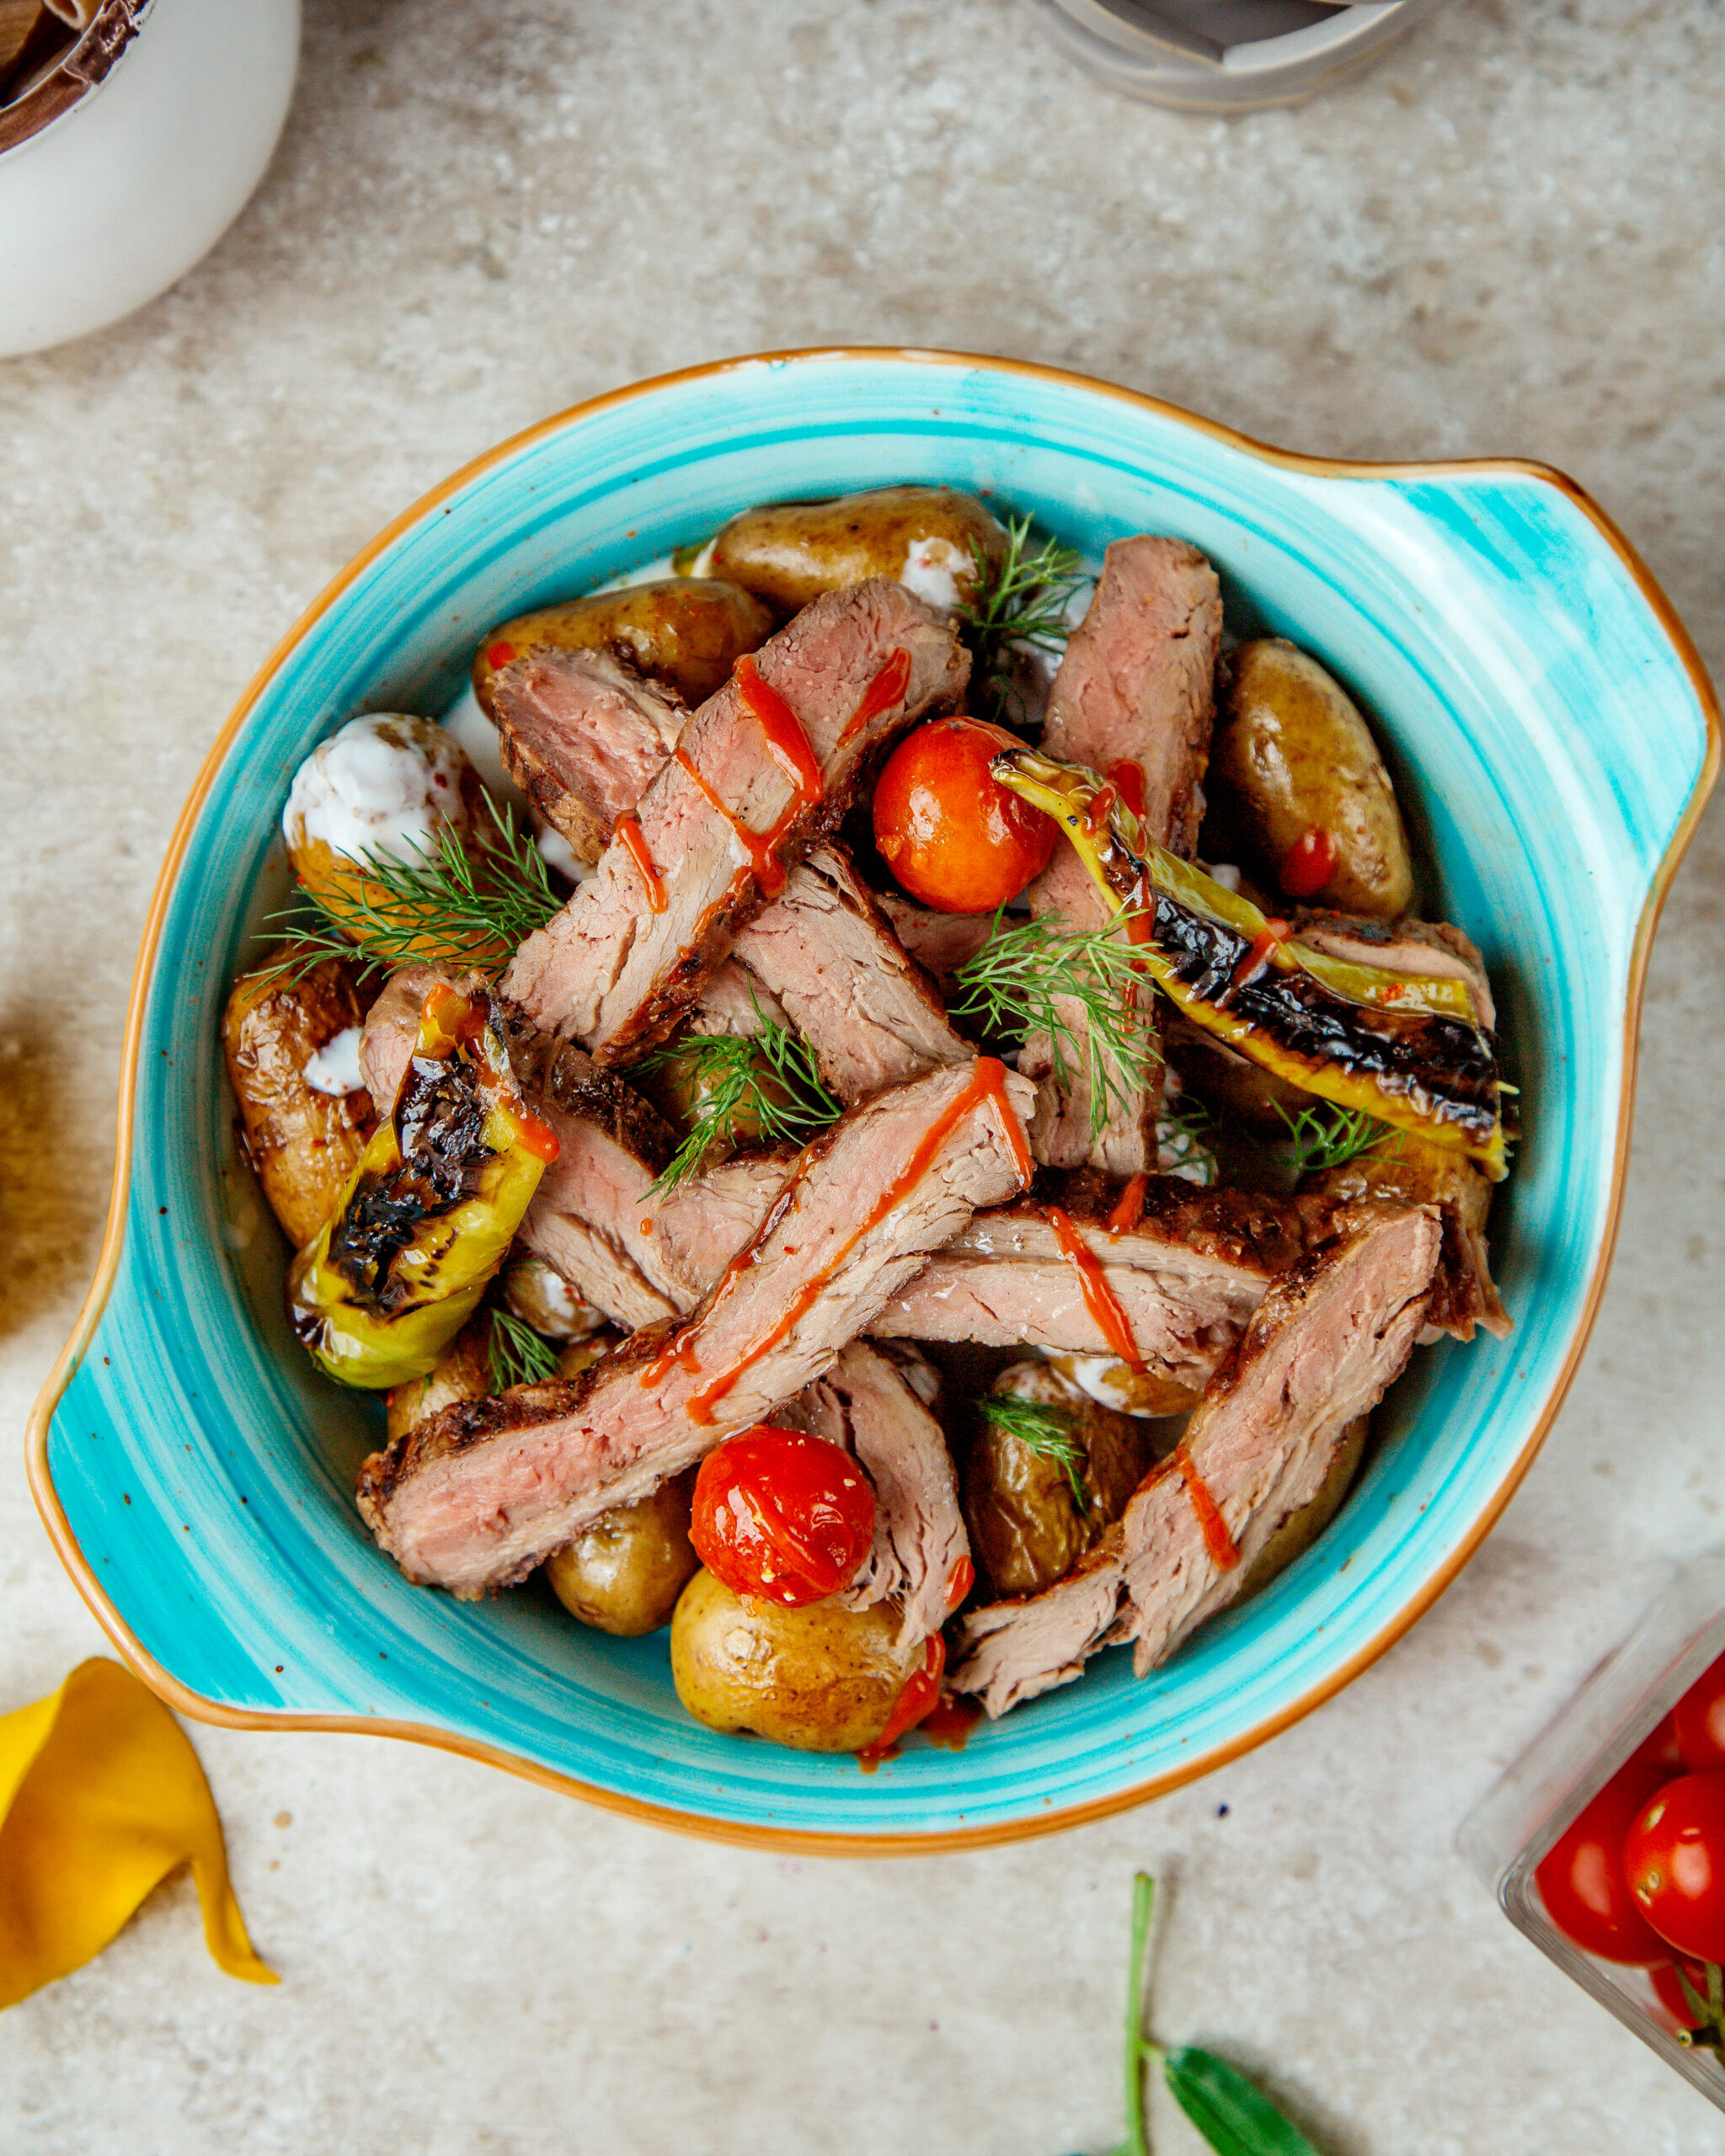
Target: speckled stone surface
(1504, 239)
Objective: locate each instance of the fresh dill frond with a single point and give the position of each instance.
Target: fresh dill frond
(1043, 1430)
(1324, 1136)
(1020, 605)
(438, 904)
(516, 1353)
(1014, 985)
(767, 1081)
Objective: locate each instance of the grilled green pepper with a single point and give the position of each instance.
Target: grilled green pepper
(1408, 1048)
(427, 1215)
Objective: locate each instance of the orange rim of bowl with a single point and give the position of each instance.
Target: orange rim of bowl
(801, 1840)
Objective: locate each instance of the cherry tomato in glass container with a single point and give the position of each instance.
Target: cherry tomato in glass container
(1582, 1881)
(1698, 1721)
(1669, 1991)
(949, 831)
(1674, 1860)
(1658, 1749)
(783, 1517)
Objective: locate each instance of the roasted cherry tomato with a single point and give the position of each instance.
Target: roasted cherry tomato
(1582, 1880)
(1658, 1749)
(1698, 1721)
(782, 1516)
(916, 1703)
(1674, 1859)
(950, 832)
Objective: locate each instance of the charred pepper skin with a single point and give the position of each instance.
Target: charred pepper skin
(1405, 1048)
(429, 1213)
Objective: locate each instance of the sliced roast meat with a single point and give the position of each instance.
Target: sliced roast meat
(722, 820)
(939, 943)
(1184, 1279)
(732, 1001)
(1432, 947)
(1136, 686)
(921, 1554)
(702, 1225)
(582, 734)
(828, 953)
(475, 1497)
(1331, 1335)
(1413, 1172)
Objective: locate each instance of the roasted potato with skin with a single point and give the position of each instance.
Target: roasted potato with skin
(539, 1296)
(1296, 1533)
(303, 1143)
(1026, 1528)
(464, 1374)
(819, 1679)
(623, 1574)
(923, 537)
(687, 633)
(387, 785)
(1290, 755)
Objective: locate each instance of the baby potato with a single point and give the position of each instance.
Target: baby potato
(464, 1374)
(623, 1574)
(684, 631)
(789, 553)
(819, 1679)
(1027, 1527)
(540, 1296)
(1292, 756)
(392, 785)
(1296, 1533)
(303, 1139)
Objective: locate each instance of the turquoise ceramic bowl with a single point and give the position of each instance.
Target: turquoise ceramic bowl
(1554, 735)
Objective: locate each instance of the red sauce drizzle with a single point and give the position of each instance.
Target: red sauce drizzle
(785, 737)
(1309, 863)
(1216, 1537)
(628, 827)
(1100, 1300)
(500, 654)
(1095, 816)
(949, 1723)
(766, 870)
(916, 1703)
(959, 1582)
(1129, 1209)
(886, 689)
(1256, 958)
(535, 1137)
(987, 1084)
(1127, 779)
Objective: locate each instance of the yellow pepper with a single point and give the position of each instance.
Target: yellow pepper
(428, 1214)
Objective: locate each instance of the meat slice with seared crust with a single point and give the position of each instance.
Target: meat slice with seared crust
(827, 951)
(1136, 686)
(475, 1497)
(939, 943)
(609, 971)
(1333, 1332)
(1433, 948)
(865, 1404)
(1187, 1275)
(583, 735)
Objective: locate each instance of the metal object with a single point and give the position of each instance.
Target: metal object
(1225, 55)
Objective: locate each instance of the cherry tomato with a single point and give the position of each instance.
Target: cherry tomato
(916, 1703)
(1670, 1992)
(1659, 1748)
(1309, 863)
(1581, 1878)
(782, 1516)
(950, 832)
(1674, 1860)
(1698, 1721)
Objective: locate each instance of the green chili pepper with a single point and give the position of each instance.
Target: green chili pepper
(1408, 1048)
(431, 1210)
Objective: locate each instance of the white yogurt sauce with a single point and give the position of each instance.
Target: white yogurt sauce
(335, 1068)
(932, 568)
(467, 724)
(383, 785)
(1106, 1381)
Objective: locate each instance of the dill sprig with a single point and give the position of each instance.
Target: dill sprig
(1020, 605)
(1045, 1431)
(766, 1080)
(516, 1353)
(439, 898)
(1325, 1136)
(1013, 985)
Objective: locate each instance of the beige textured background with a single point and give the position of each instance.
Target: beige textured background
(1507, 238)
